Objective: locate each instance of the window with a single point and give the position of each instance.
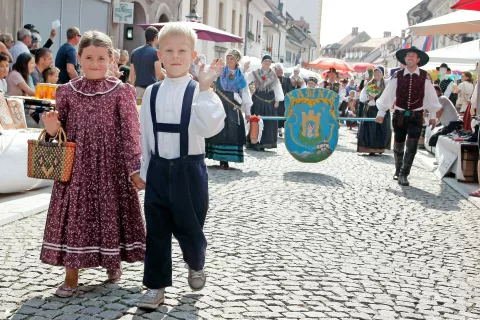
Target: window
(220, 16)
(234, 21)
(289, 56)
(259, 31)
(250, 23)
(240, 31)
(205, 11)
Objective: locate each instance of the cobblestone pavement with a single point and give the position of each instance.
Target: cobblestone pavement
(334, 240)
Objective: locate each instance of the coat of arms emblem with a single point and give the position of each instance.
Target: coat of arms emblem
(311, 127)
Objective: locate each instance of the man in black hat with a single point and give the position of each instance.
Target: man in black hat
(332, 84)
(411, 91)
(445, 83)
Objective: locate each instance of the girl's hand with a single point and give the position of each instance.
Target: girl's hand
(50, 120)
(138, 183)
(206, 78)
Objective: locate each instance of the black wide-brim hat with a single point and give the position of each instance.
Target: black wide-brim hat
(402, 53)
(443, 65)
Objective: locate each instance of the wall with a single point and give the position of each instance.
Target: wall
(84, 14)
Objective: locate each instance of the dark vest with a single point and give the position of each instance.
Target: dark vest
(335, 86)
(410, 89)
(443, 84)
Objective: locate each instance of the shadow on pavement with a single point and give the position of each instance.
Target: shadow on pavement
(109, 301)
(312, 178)
(221, 176)
(444, 201)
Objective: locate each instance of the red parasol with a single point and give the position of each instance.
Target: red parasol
(362, 67)
(341, 74)
(204, 32)
(327, 63)
(467, 5)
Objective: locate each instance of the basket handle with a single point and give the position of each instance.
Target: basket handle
(62, 136)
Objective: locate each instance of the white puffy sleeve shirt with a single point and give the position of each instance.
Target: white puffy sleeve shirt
(206, 120)
(430, 100)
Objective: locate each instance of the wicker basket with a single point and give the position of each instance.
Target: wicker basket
(51, 160)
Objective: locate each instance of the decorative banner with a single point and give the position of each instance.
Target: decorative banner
(311, 127)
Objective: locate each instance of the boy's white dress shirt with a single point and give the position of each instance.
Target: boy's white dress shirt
(206, 120)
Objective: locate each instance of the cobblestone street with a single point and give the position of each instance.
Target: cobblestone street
(334, 240)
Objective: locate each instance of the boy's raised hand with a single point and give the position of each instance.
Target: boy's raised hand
(206, 78)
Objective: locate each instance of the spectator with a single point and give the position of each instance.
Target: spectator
(3, 72)
(113, 70)
(66, 59)
(464, 91)
(145, 67)
(7, 40)
(51, 75)
(122, 66)
(24, 40)
(6, 43)
(36, 39)
(43, 60)
(448, 113)
(19, 81)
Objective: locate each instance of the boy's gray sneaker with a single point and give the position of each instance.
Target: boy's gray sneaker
(152, 299)
(196, 279)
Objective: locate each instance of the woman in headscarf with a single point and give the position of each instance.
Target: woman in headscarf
(286, 87)
(266, 99)
(232, 88)
(373, 137)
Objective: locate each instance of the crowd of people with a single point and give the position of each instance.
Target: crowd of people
(95, 219)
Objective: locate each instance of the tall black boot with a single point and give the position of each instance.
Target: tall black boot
(410, 153)
(398, 152)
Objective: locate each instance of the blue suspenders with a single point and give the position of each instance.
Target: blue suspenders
(181, 128)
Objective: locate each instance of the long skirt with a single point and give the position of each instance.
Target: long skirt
(263, 105)
(227, 145)
(374, 137)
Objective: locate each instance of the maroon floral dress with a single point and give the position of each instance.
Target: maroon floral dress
(95, 219)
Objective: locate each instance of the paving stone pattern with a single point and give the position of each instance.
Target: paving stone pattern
(334, 240)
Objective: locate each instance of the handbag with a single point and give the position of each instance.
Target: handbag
(51, 160)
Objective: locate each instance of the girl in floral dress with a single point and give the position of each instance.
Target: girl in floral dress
(94, 219)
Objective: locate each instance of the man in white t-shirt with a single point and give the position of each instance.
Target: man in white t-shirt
(448, 113)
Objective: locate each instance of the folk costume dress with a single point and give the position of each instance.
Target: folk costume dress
(267, 91)
(95, 219)
(232, 89)
(373, 137)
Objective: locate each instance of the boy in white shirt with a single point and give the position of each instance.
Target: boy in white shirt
(177, 115)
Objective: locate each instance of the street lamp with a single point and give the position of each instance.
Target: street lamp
(193, 16)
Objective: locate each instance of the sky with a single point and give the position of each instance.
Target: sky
(372, 16)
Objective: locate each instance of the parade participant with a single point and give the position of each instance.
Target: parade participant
(296, 80)
(332, 84)
(266, 99)
(286, 88)
(232, 88)
(94, 219)
(173, 148)
(373, 137)
(444, 81)
(312, 83)
(411, 91)
(352, 106)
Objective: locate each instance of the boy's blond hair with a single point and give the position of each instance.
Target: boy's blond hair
(177, 29)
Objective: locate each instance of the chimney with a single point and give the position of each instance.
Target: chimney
(355, 31)
(387, 34)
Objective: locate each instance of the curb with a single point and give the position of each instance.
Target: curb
(17, 206)
(427, 159)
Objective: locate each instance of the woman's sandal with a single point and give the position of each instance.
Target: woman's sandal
(65, 291)
(475, 194)
(114, 275)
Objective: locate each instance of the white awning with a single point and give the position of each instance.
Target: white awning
(458, 22)
(464, 53)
